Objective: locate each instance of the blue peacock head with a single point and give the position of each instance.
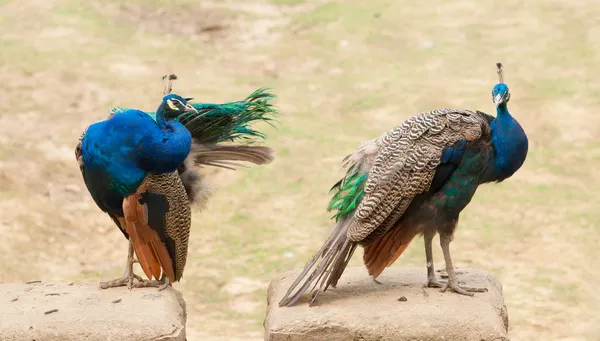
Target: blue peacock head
(174, 105)
(500, 93)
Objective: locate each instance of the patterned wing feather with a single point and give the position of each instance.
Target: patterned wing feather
(405, 165)
(158, 222)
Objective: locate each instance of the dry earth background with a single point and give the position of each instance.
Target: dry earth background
(344, 72)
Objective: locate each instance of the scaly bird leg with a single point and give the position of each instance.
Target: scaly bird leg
(161, 284)
(128, 276)
(452, 284)
(432, 282)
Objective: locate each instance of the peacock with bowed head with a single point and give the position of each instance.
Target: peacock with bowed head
(142, 170)
(414, 179)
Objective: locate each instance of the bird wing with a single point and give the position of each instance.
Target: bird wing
(405, 166)
(98, 185)
(104, 155)
(158, 219)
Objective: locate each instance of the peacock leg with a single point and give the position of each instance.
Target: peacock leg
(128, 276)
(452, 284)
(161, 284)
(432, 282)
(166, 283)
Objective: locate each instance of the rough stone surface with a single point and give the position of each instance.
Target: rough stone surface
(65, 312)
(360, 309)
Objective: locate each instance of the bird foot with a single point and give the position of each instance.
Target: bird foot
(126, 280)
(376, 281)
(432, 282)
(463, 290)
(161, 284)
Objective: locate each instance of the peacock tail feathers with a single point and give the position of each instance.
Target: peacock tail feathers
(348, 193)
(229, 121)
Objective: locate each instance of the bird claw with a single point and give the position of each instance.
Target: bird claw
(434, 283)
(130, 284)
(128, 276)
(463, 290)
(165, 285)
(160, 284)
(126, 280)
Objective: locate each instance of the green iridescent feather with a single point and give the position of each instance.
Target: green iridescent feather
(348, 193)
(228, 121)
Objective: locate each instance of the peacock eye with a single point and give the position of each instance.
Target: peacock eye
(172, 104)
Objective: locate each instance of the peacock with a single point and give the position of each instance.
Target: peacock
(414, 180)
(142, 169)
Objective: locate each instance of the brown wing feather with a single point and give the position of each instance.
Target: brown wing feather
(151, 251)
(161, 252)
(405, 166)
(168, 213)
(145, 256)
(387, 248)
(158, 220)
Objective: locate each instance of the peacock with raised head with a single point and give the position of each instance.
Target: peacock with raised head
(142, 169)
(414, 180)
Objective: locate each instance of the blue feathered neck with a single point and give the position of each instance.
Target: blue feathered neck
(510, 145)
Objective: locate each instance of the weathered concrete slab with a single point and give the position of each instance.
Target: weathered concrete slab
(63, 312)
(360, 309)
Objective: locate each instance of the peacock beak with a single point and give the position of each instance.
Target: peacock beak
(498, 99)
(189, 108)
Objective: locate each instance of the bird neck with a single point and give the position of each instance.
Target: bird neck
(510, 145)
(161, 119)
(502, 112)
(165, 148)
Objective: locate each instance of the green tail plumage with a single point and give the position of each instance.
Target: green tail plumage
(228, 121)
(348, 193)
